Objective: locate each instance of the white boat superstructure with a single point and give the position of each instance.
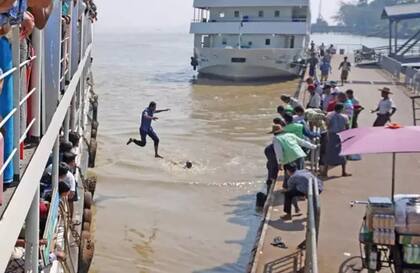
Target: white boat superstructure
(250, 39)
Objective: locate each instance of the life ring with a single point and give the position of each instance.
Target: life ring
(86, 226)
(88, 200)
(94, 133)
(87, 250)
(90, 185)
(92, 152)
(87, 215)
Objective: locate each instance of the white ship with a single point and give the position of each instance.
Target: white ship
(250, 39)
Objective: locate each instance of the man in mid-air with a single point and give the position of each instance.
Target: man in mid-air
(146, 128)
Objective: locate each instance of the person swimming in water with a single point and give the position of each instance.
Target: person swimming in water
(146, 128)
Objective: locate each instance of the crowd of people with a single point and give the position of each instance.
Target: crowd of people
(27, 15)
(328, 112)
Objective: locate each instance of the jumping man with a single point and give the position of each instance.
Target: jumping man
(146, 128)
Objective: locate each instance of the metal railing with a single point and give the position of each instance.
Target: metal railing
(391, 65)
(18, 102)
(312, 229)
(252, 20)
(23, 208)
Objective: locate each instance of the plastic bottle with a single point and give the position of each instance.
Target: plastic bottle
(392, 237)
(375, 221)
(416, 254)
(375, 236)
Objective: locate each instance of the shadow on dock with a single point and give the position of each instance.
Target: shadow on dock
(288, 264)
(243, 210)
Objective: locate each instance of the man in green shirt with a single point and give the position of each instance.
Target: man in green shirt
(288, 149)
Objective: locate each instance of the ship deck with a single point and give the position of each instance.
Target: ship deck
(338, 248)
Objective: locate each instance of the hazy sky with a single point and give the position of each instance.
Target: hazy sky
(166, 15)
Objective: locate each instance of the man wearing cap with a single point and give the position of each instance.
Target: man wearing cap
(315, 99)
(146, 128)
(386, 108)
(288, 149)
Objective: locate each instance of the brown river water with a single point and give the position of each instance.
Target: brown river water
(154, 216)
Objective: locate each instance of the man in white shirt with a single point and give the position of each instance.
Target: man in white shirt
(315, 99)
(386, 108)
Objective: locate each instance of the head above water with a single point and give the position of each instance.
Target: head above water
(188, 165)
(152, 105)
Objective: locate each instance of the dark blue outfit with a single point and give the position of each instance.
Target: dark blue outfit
(146, 128)
(272, 163)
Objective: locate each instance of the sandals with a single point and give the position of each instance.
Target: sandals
(278, 242)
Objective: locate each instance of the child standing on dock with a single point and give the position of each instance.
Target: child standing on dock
(146, 128)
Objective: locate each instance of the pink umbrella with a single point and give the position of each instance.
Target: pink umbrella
(379, 140)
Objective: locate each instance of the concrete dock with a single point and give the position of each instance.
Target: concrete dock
(338, 248)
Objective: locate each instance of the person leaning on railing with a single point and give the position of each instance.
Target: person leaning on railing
(298, 186)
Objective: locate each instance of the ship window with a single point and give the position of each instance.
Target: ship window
(222, 15)
(249, 43)
(224, 41)
(238, 60)
(261, 13)
(267, 42)
(277, 13)
(236, 13)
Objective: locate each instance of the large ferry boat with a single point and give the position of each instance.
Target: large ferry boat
(250, 39)
(48, 127)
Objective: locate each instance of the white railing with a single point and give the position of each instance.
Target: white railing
(23, 207)
(14, 216)
(311, 255)
(14, 114)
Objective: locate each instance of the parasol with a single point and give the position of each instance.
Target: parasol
(379, 140)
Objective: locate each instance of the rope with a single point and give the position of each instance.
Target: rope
(68, 225)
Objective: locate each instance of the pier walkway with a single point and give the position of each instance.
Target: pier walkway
(340, 224)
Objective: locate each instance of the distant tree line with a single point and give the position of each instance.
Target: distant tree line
(364, 17)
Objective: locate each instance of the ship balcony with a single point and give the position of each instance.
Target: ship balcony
(249, 3)
(287, 28)
(252, 20)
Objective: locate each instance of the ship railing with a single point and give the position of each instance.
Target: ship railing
(312, 228)
(251, 20)
(23, 207)
(19, 135)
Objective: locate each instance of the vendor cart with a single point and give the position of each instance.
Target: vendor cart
(390, 232)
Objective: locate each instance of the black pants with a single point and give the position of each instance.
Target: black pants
(288, 199)
(144, 134)
(381, 120)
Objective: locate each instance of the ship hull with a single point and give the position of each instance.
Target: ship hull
(248, 64)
